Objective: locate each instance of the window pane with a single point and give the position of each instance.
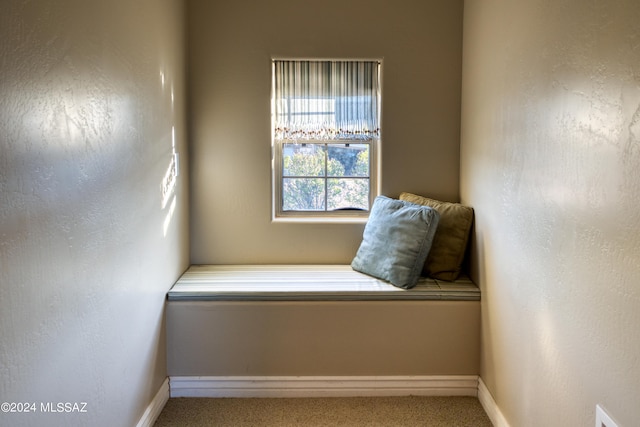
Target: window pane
(348, 193)
(303, 194)
(303, 160)
(348, 160)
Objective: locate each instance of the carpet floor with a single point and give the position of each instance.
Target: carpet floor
(315, 412)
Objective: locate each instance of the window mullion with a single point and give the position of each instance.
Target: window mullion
(326, 173)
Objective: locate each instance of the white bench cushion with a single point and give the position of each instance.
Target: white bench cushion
(307, 283)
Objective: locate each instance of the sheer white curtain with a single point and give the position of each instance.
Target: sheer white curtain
(323, 100)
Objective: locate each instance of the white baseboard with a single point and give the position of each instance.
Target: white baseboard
(490, 406)
(155, 406)
(340, 386)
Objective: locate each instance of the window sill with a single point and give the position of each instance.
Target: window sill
(320, 220)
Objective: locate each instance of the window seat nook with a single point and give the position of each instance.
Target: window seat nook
(307, 283)
(231, 329)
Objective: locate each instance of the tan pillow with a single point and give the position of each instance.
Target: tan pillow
(450, 242)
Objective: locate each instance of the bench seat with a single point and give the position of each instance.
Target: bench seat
(307, 283)
(270, 321)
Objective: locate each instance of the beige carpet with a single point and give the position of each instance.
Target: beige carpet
(312, 412)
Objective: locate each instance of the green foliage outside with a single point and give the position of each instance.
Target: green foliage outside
(303, 192)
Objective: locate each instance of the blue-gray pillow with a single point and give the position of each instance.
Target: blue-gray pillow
(396, 241)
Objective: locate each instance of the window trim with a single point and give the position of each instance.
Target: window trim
(375, 168)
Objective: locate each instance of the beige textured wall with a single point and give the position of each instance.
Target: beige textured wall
(85, 256)
(550, 156)
(230, 47)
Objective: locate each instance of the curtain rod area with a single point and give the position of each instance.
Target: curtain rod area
(290, 58)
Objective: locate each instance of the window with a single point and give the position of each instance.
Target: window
(326, 137)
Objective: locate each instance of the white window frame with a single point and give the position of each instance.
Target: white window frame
(324, 216)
